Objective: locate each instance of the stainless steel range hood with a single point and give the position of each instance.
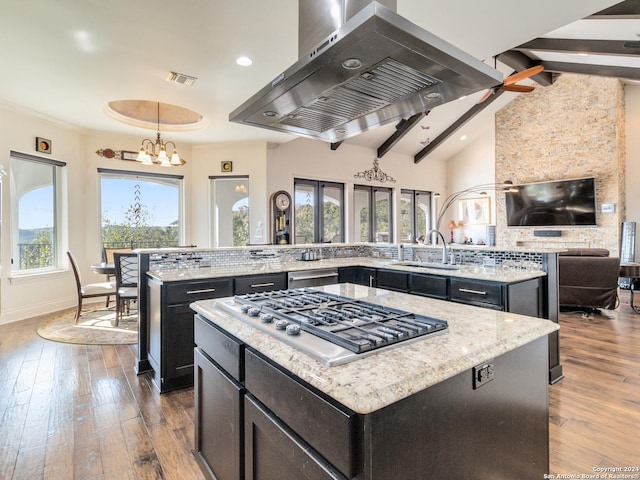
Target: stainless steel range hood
(375, 69)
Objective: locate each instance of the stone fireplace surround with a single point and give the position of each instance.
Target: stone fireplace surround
(574, 128)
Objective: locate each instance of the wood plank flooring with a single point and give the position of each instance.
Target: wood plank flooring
(75, 411)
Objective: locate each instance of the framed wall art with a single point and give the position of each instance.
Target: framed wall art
(475, 211)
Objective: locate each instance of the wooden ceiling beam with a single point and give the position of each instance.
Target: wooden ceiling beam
(468, 115)
(402, 129)
(599, 47)
(597, 70)
(629, 9)
(519, 61)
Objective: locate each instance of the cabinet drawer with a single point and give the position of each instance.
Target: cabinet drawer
(477, 293)
(225, 350)
(187, 292)
(260, 283)
(429, 286)
(330, 430)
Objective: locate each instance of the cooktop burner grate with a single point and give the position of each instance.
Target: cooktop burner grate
(356, 325)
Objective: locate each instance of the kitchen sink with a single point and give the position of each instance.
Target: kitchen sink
(433, 266)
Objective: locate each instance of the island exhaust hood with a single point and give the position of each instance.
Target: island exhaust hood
(376, 68)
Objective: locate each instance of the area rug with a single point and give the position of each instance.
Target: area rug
(94, 328)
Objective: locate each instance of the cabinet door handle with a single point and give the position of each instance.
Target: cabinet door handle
(256, 285)
(204, 290)
(467, 290)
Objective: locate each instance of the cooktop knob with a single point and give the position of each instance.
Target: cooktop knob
(266, 318)
(245, 308)
(293, 329)
(254, 312)
(281, 324)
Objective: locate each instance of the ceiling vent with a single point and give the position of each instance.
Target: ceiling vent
(181, 78)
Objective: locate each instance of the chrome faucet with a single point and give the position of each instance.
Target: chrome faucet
(444, 243)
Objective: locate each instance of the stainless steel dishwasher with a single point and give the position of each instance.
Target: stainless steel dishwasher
(312, 278)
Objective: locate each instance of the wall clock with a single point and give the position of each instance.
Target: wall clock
(280, 218)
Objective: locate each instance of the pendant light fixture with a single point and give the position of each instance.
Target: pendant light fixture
(155, 152)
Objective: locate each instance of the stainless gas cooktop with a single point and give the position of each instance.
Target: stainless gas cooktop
(330, 328)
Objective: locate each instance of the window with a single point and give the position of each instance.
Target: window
(36, 209)
(415, 212)
(318, 211)
(373, 214)
(140, 210)
(230, 213)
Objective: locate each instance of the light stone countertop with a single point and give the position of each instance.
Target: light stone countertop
(260, 266)
(475, 335)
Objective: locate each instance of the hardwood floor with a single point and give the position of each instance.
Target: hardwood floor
(74, 411)
(595, 409)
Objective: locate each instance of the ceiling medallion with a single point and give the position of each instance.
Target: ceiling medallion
(375, 174)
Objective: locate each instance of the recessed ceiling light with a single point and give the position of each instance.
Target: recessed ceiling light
(244, 61)
(432, 95)
(463, 138)
(583, 54)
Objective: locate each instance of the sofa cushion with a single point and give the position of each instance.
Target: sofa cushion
(585, 252)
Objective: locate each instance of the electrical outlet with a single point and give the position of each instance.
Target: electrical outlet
(483, 374)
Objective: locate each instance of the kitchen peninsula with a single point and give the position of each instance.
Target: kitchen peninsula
(518, 281)
(468, 403)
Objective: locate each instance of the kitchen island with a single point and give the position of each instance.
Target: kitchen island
(469, 403)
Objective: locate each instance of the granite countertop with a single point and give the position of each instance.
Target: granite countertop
(260, 266)
(475, 335)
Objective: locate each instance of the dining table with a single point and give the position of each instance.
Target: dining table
(104, 268)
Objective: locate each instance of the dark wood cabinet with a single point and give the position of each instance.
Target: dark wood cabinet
(392, 280)
(170, 349)
(276, 426)
(526, 298)
(275, 452)
(260, 283)
(358, 275)
(219, 438)
(429, 286)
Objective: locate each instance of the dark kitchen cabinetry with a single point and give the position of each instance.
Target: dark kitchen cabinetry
(170, 349)
(392, 280)
(524, 298)
(429, 286)
(218, 397)
(274, 452)
(358, 275)
(478, 292)
(260, 283)
(293, 430)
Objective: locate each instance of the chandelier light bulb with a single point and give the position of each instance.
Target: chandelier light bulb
(175, 158)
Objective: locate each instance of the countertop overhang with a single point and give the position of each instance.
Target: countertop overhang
(475, 335)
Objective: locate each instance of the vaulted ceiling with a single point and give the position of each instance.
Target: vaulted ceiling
(66, 59)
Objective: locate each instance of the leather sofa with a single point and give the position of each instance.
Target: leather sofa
(588, 279)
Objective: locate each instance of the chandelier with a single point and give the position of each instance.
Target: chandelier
(155, 152)
(375, 174)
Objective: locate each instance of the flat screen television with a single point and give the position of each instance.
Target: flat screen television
(553, 204)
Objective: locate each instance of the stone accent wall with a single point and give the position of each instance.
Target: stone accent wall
(574, 128)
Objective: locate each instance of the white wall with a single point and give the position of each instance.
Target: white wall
(632, 114)
(472, 166)
(302, 158)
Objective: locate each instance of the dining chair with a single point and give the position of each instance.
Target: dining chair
(126, 282)
(89, 290)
